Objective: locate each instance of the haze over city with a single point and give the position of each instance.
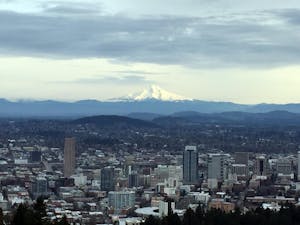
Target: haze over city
(225, 50)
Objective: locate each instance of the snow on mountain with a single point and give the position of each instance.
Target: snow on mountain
(154, 93)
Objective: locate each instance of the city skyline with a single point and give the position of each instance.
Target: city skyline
(103, 170)
(210, 50)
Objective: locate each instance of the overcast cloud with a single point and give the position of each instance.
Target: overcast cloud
(252, 39)
(123, 80)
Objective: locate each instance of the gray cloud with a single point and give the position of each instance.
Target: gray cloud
(62, 10)
(67, 8)
(291, 16)
(265, 39)
(136, 72)
(124, 80)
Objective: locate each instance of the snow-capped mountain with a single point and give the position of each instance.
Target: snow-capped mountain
(154, 92)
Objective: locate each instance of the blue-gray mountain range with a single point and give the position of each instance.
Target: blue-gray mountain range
(151, 106)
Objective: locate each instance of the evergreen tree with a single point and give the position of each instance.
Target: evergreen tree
(40, 207)
(151, 220)
(63, 221)
(200, 214)
(40, 213)
(1, 217)
(190, 218)
(24, 216)
(171, 219)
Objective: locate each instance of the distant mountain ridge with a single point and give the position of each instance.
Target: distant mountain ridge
(115, 121)
(154, 101)
(274, 118)
(282, 118)
(94, 107)
(144, 116)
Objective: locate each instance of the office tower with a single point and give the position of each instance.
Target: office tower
(216, 167)
(39, 187)
(107, 179)
(190, 165)
(161, 172)
(241, 158)
(133, 179)
(121, 200)
(64, 182)
(241, 163)
(261, 165)
(298, 165)
(239, 169)
(35, 156)
(284, 166)
(69, 157)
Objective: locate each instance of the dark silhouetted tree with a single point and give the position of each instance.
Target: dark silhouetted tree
(24, 216)
(200, 214)
(63, 221)
(190, 218)
(1, 217)
(151, 220)
(171, 219)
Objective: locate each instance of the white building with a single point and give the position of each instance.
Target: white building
(79, 180)
(284, 166)
(164, 208)
(212, 183)
(239, 169)
(119, 200)
(201, 197)
(216, 167)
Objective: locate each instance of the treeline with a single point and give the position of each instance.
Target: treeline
(30, 215)
(288, 215)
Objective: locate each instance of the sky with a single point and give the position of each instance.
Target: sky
(216, 50)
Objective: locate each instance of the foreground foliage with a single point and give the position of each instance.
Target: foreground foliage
(289, 215)
(30, 215)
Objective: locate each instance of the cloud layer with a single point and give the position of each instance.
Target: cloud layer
(253, 39)
(124, 80)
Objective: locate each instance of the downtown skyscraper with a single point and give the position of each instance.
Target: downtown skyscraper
(107, 179)
(69, 157)
(190, 165)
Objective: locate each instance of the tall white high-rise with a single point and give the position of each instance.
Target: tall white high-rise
(119, 200)
(216, 166)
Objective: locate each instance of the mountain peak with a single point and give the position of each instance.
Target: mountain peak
(154, 92)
